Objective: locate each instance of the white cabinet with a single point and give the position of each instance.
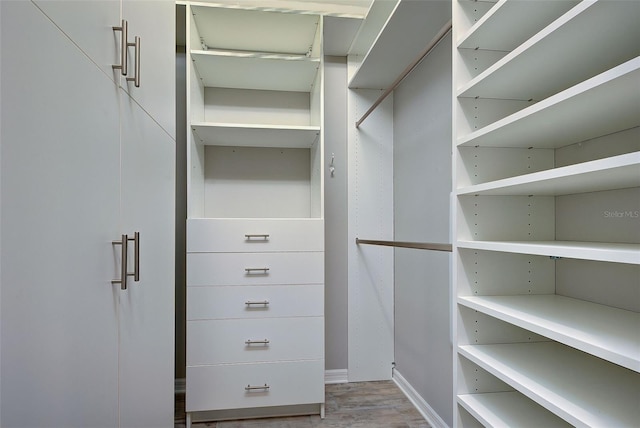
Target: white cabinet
(83, 163)
(255, 229)
(547, 251)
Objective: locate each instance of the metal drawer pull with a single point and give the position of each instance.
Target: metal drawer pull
(136, 257)
(123, 48)
(123, 263)
(264, 387)
(136, 66)
(257, 342)
(265, 237)
(263, 270)
(255, 302)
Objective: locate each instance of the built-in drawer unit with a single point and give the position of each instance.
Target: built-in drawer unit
(254, 235)
(237, 386)
(255, 301)
(254, 340)
(255, 268)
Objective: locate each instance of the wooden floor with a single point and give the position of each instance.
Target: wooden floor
(357, 405)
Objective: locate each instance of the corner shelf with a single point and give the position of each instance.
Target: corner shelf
(603, 104)
(616, 172)
(596, 251)
(385, 61)
(581, 389)
(250, 135)
(507, 409)
(565, 40)
(603, 331)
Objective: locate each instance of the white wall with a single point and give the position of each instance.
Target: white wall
(422, 186)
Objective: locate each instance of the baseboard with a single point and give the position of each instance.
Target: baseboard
(336, 376)
(180, 386)
(423, 407)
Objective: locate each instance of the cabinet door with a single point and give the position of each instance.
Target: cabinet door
(154, 22)
(59, 213)
(89, 24)
(147, 306)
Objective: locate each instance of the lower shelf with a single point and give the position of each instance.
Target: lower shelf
(606, 332)
(508, 409)
(579, 388)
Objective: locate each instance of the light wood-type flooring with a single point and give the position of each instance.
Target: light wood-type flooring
(357, 405)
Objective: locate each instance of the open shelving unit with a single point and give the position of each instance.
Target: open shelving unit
(547, 184)
(255, 226)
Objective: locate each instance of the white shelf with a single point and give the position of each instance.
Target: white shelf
(519, 19)
(609, 333)
(571, 42)
(606, 103)
(372, 25)
(597, 251)
(409, 29)
(255, 30)
(246, 70)
(248, 135)
(616, 172)
(508, 409)
(581, 389)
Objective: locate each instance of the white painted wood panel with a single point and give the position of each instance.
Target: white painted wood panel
(231, 302)
(230, 235)
(147, 307)
(223, 386)
(59, 214)
(225, 341)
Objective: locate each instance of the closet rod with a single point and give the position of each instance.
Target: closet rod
(443, 32)
(417, 245)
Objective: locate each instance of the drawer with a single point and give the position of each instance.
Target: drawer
(230, 235)
(275, 339)
(254, 268)
(224, 386)
(261, 301)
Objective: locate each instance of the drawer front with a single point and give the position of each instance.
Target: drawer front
(224, 386)
(254, 340)
(255, 301)
(204, 269)
(230, 235)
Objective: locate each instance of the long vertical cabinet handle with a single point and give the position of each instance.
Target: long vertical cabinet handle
(136, 257)
(123, 28)
(123, 264)
(136, 66)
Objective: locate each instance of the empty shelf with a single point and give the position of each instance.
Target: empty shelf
(226, 134)
(581, 389)
(609, 333)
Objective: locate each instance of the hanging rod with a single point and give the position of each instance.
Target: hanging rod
(417, 245)
(443, 32)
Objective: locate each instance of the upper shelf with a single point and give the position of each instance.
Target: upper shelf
(572, 43)
(411, 26)
(597, 251)
(616, 172)
(519, 19)
(601, 105)
(256, 30)
(226, 134)
(603, 331)
(245, 70)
